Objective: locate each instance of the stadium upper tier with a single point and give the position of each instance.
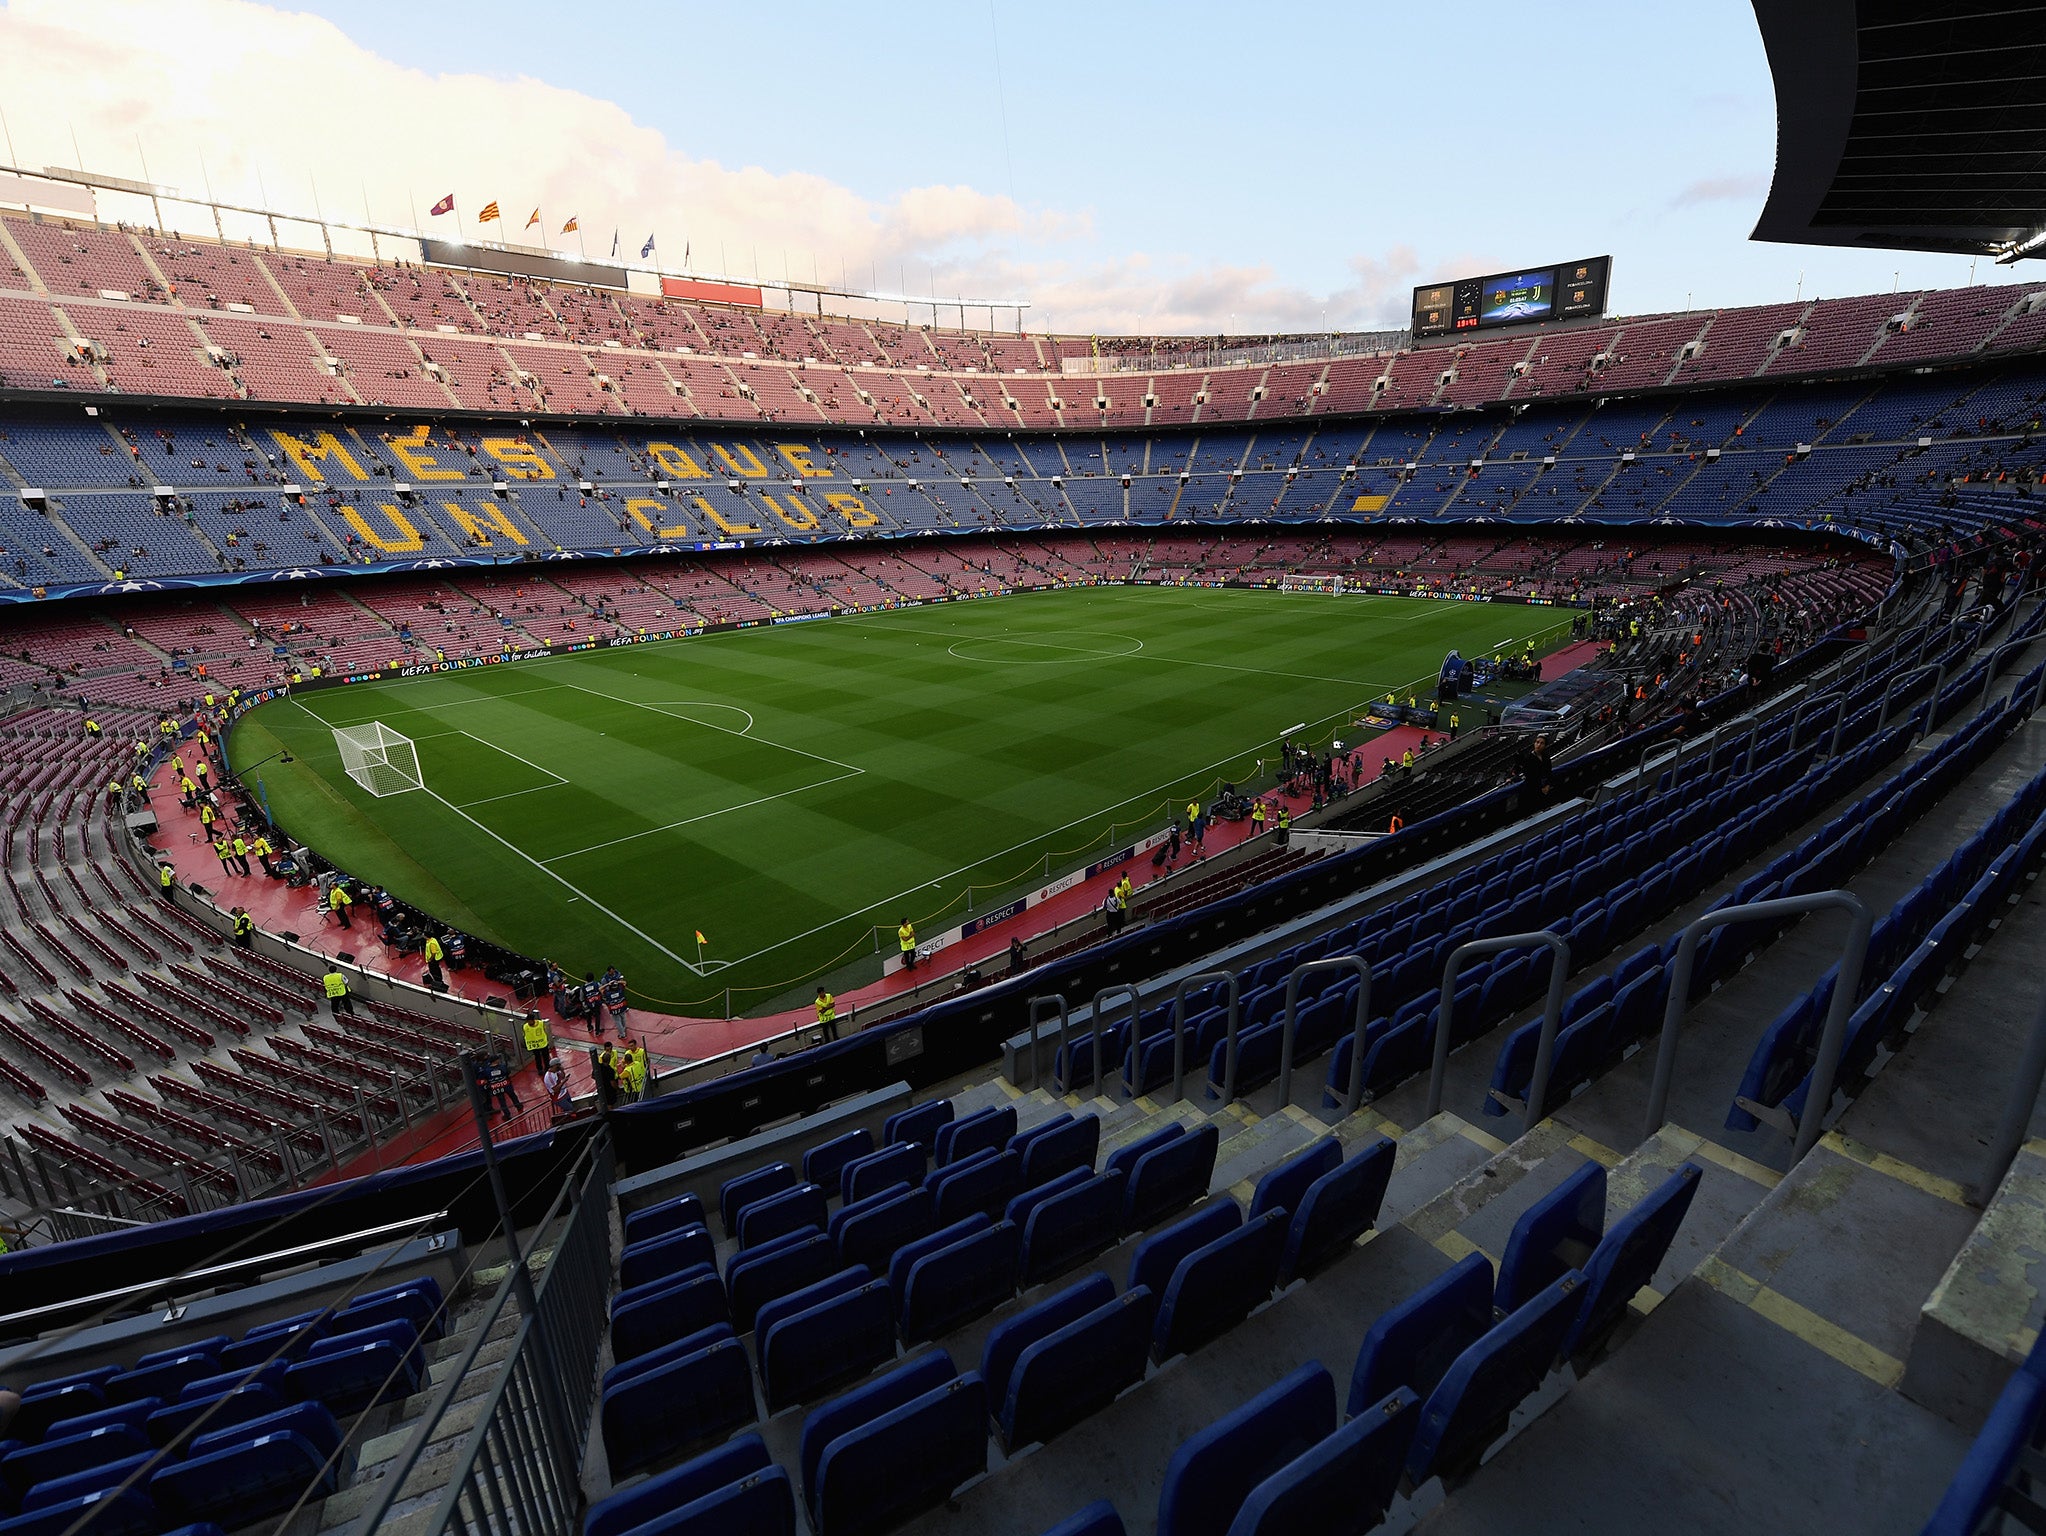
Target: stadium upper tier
(131, 493)
(107, 309)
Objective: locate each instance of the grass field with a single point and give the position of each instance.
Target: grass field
(789, 790)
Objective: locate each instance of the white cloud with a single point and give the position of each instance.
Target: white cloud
(1720, 189)
(270, 104)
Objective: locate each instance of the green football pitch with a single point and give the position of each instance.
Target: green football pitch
(789, 791)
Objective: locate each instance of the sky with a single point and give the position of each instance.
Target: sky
(1123, 165)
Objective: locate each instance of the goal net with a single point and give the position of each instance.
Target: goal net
(1333, 585)
(378, 758)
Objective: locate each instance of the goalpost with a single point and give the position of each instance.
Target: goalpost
(1332, 585)
(378, 758)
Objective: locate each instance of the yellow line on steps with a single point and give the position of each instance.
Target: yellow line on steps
(1457, 1246)
(1688, 1144)
(1824, 1335)
(1895, 1168)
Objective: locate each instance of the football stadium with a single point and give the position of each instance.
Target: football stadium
(648, 900)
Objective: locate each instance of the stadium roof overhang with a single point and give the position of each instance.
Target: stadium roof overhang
(1908, 124)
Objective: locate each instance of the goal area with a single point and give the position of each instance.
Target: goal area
(378, 758)
(1332, 585)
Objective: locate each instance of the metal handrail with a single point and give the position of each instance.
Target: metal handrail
(1113, 989)
(1552, 1010)
(1675, 755)
(1989, 670)
(1939, 677)
(1831, 703)
(1037, 1003)
(2017, 1112)
(1747, 737)
(1846, 984)
(1362, 967)
(1187, 984)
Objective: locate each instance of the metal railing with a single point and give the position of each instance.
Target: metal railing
(1832, 1039)
(1552, 1012)
(1939, 678)
(518, 1472)
(1121, 989)
(1234, 1028)
(1037, 1006)
(1362, 967)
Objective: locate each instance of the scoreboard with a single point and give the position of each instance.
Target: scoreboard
(1567, 291)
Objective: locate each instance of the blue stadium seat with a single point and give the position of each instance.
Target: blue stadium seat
(1158, 1255)
(761, 1503)
(1553, 1236)
(1170, 1177)
(1010, 1337)
(1125, 1156)
(288, 1343)
(1061, 1149)
(960, 1281)
(988, 1129)
(1217, 1285)
(655, 1258)
(1469, 1408)
(1972, 1500)
(311, 1422)
(419, 1301)
(838, 1284)
(208, 1346)
(668, 1216)
(1021, 1205)
(350, 1377)
(1097, 1519)
(110, 1512)
(838, 1340)
(943, 1237)
(664, 1312)
(1338, 1208)
(1342, 1486)
(890, 1390)
(665, 1356)
(133, 1412)
(1287, 1184)
(1061, 1378)
(1627, 1258)
(731, 1462)
(892, 1466)
(919, 1122)
(164, 1377)
(789, 1210)
(824, 1163)
(1072, 1226)
(22, 1469)
(756, 1276)
(1214, 1471)
(734, 1195)
(870, 1232)
(654, 1413)
(96, 1478)
(1413, 1342)
(900, 1162)
(984, 1181)
(235, 1405)
(242, 1484)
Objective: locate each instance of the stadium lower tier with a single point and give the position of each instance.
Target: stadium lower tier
(115, 496)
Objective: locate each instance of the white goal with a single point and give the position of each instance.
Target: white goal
(1332, 585)
(378, 758)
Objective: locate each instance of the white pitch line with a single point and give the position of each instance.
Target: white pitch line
(746, 735)
(630, 928)
(507, 751)
(723, 810)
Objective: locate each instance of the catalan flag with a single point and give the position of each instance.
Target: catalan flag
(488, 214)
(534, 219)
(570, 227)
(445, 205)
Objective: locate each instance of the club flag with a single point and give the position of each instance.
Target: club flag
(614, 242)
(570, 227)
(534, 219)
(685, 255)
(445, 205)
(700, 939)
(647, 249)
(488, 214)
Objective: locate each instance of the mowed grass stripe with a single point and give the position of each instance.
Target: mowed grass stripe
(879, 775)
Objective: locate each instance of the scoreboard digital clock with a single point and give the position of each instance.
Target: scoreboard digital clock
(1567, 291)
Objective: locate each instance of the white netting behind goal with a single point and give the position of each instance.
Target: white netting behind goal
(1329, 584)
(378, 758)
